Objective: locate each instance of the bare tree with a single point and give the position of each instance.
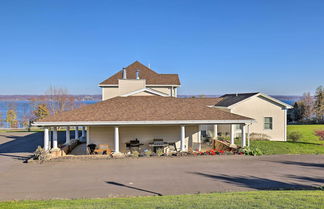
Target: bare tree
(59, 100)
(319, 103)
(307, 102)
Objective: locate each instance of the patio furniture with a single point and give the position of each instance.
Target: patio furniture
(91, 148)
(103, 149)
(158, 144)
(133, 144)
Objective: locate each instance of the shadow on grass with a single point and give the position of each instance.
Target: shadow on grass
(256, 182)
(131, 187)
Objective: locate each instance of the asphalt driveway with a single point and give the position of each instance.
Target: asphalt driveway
(154, 176)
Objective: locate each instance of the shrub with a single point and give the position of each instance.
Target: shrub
(251, 151)
(320, 134)
(148, 153)
(40, 154)
(159, 152)
(135, 153)
(259, 136)
(295, 136)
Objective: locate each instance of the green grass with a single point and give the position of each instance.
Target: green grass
(308, 144)
(234, 200)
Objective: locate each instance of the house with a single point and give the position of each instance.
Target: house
(139, 103)
(139, 80)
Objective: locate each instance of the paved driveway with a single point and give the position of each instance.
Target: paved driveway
(155, 176)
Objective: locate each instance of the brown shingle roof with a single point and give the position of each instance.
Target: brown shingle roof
(147, 108)
(152, 77)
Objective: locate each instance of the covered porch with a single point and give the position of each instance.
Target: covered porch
(184, 137)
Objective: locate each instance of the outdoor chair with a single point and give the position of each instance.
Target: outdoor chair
(91, 148)
(103, 149)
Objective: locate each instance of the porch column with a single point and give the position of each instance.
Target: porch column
(182, 136)
(116, 139)
(49, 138)
(46, 138)
(83, 131)
(243, 135)
(67, 135)
(55, 138)
(248, 135)
(76, 132)
(215, 132)
(232, 134)
(199, 139)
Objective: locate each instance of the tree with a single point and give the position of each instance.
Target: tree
(1, 120)
(59, 100)
(319, 103)
(308, 106)
(12, 118)
(41, 111)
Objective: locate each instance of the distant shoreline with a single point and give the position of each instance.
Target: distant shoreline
(95, 97)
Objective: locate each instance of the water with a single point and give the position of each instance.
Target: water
(23, 109)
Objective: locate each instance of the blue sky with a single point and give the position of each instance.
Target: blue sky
(217, 47)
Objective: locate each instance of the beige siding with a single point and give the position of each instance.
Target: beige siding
(109, 92)
(144, 93)
(166, 90)
(127, 86)
(146, 134)
(258, 108)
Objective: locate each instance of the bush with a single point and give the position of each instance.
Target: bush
(159, 152)
(148, 153)
(40, 154)
(251, 151)
(259, 137)
(135, 153)
(295, 136)
(320, 134)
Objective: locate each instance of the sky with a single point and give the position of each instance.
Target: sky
(216, 47)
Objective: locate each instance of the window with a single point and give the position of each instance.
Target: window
(268, 123)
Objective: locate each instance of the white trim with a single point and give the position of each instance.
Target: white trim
(147, 90)
(161, 122)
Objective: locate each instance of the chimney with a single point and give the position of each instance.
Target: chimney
(124, 73)
(137, 74)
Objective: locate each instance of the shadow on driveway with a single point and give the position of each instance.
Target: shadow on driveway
(256, 182)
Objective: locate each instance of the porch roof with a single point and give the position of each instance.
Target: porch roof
(146, 110)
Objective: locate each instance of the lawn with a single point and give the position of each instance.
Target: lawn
(255, 199)
(308, 144)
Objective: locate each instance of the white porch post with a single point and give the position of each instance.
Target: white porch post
(232, 133)
(46, 138)
(83, 131)
(285, 125)
(183, 135)
(215, 131)
(67, 135)
(76, 132)
(248, 135)
(49, 138)
(55, 138)
(243, 135)
(116, 139)
(88, 135)
(199, 139)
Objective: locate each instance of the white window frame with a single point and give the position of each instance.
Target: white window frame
(265, 123)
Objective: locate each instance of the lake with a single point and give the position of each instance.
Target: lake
(22, 108)
(26, 108)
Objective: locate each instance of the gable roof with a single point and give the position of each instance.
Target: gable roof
(152, 77)
(232, 99)
(146, 110)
